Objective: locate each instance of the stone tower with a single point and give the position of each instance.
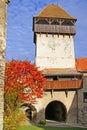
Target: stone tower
(54, 31)
(3, 13)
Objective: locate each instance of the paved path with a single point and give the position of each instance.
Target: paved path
(63, 124)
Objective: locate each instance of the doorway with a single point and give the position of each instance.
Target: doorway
(56, 111)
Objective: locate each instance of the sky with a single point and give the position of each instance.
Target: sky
(20, 15)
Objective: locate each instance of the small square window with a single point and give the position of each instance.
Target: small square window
(85, 97)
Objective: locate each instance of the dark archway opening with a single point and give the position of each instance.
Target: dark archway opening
(30, 112)
(56, 111)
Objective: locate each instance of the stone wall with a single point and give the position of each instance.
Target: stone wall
(69, 101)
(2, 56)
(82, 106)
(74, 102)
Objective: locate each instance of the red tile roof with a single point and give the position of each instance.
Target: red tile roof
(54, 11)
(81, 64)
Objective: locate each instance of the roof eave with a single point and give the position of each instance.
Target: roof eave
(75, 74)
(55, 18)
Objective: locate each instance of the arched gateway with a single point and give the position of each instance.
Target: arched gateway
(56, 110)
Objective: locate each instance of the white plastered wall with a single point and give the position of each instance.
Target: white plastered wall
(55, 51)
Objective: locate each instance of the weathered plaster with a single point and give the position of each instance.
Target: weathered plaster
(54, 51)
(70, 103)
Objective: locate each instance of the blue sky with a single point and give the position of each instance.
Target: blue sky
(19, 26)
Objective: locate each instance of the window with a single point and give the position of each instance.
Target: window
(67, 77)
(42, 22)
(85, 97)
(51, 78)
(67, 23)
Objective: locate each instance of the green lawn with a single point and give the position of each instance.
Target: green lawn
(49, 128)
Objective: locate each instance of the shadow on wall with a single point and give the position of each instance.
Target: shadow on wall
(32, 116)
(55, 111)
(30, 112)
(72, 113)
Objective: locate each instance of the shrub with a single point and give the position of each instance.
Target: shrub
(13, 120)
(42, 122)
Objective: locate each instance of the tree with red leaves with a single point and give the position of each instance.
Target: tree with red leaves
(23, 82)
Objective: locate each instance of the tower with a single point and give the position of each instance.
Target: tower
(3, 12)
(54, 31)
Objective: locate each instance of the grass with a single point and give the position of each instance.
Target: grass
(49, 128)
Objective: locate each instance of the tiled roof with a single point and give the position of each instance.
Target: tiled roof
(62, 71)
(81, 64)
(54, 11)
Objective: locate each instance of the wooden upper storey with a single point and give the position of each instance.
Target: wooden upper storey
(66, 79)
(53, 19)
(62, 79)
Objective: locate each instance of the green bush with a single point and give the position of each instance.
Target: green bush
(13, 116)
(14, 119)
(42, 122)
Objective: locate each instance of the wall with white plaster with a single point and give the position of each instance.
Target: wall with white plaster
(54, 51)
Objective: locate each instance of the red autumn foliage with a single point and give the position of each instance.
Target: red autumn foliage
(23, 80)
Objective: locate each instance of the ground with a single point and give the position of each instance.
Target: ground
(49, 128)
